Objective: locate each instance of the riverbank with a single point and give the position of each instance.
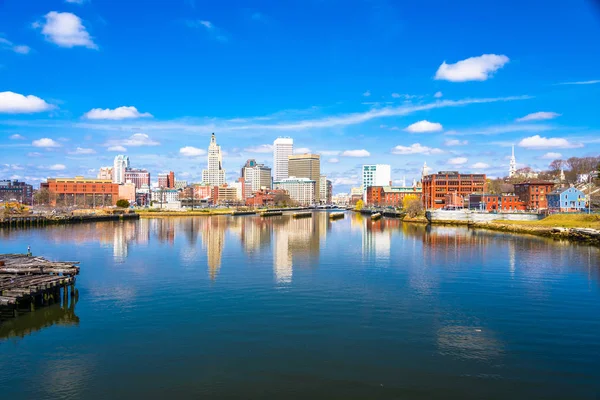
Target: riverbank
(30, 220)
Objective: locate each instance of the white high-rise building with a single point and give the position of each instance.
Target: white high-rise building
(512, 167)
(121, 164)
(258, 177)
(376, 175)
(282, 149)
(301, 190)
(215, 174)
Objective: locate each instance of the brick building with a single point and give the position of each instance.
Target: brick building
(139, 177)
(436, 187)
(390, 195)
(267, 197)
(533, 194)
(496, 202)
(16, 191)
(80, 191)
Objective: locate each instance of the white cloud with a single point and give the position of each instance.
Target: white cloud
(34, 154)
(455, 142)
(15, 103)
(212, 30)
(458, 161)
(124, 112)
(75, 1)
(551, 156)
(480, 165)
(56, 167)
(437, 95)
(537, 143)
(345, 181)
(355, 153)
(367, 93)
(539, 116)
(333, 160)
(119, 149)
(66, 30)
(424, 127)
(581, 82)
(301, 150)
(45, 142)
(263, 148)
(416, 148)
(8, 45)
(472, 69)
(329, 152)
(135, 140)
(396, 95)
(16, 136)
(82, 151)
(189, 151)
(495, 130)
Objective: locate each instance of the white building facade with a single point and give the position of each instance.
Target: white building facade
(282, 149)
(105, 173)
(301, 190)
(258, 177)
(121, 164)
(214, 175)
(376, 175)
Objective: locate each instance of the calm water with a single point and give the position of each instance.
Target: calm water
(244, 307)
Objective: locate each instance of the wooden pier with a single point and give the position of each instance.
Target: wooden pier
(302, 215)
(336, 215)
(27, 282)
(32, 220)
(375, 216)
(243, 212)
(271, 213)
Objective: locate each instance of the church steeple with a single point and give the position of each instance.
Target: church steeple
(512, 168)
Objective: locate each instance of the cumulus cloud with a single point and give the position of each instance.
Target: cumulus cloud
(329, 152)
(396, 95)
(538, 116)
(301, 150)
(333, 160)
(437, 95)
(120, 149)
(472, 69)
(424, 126)
(538, 142)
(551, 156)
(189, 151)
(212, 30)
(480, 165)
(367, 93)
(135, 140)
(458, 161)
(8, 45)
(16, 136)
(45, 143)
(263, 148)
(15, 103)
(66, 30)
(355, 153)
(56, 167)
(82, 151)
(416, 148)
(345, 181)
(455, 142)
(119, 113)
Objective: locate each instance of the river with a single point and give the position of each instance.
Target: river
(249, 307)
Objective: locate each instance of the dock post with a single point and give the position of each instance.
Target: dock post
(32, 304)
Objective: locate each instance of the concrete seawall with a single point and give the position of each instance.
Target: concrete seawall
(470, 217)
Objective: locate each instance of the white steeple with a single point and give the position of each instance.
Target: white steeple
(512, 168)
(426, 170)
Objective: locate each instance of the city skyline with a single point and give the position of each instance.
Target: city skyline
(458, 103)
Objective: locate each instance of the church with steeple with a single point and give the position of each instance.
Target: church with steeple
(512, 167)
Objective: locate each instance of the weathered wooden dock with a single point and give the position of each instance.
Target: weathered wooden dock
(302, 215)
(271, 213)
(27, 282)
(41, 220)
(336, 215)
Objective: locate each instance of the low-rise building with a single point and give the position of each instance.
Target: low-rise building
(127, 192)
(390, 195)
(300, 190)
(496, 202)
(533, 193)
(437, 187)
(566, 200)
(13, 190)
(80, 191)
(225, 195)
(268, 197)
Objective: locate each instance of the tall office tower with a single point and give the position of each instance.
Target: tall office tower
(376, 175)
(257, 177)
(139, 177)
(215, 174)
(171, 180)
(105, 173)
(307, 166)
(512, 167)
(282, 149)
(120, 165)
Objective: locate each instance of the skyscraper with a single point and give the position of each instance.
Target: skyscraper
(512, 167)
(307, 166)
(121, 164)
(282, 149)
(257, 176)
(215, 174)
(376, 175)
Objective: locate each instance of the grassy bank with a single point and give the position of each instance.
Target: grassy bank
(560, 221)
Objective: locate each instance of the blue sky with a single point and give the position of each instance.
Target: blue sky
(397, 82)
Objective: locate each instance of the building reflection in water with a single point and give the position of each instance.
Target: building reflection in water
(377, 238)
(213, 239)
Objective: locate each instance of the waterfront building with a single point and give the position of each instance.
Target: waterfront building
(512, 167)
(138, 177)
(283, 147)
(566, 200)
(341, 199)
(241, 188)
(143, 196)
(214, 175)
(120, 165)
(81, 191)
(268, 197)
(533, 193)
(390, 195)
(105, 173)
(307, 166)
(127, 192)
(163, 180)
(375, 175)
(326, 190)
(496, 202)
(257, 176)
(13, 190)
(436, 187)
(300, 190)
(225, 195)
(164, 195)
(180, 184)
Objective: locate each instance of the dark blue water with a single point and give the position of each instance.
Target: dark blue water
(244, 307)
